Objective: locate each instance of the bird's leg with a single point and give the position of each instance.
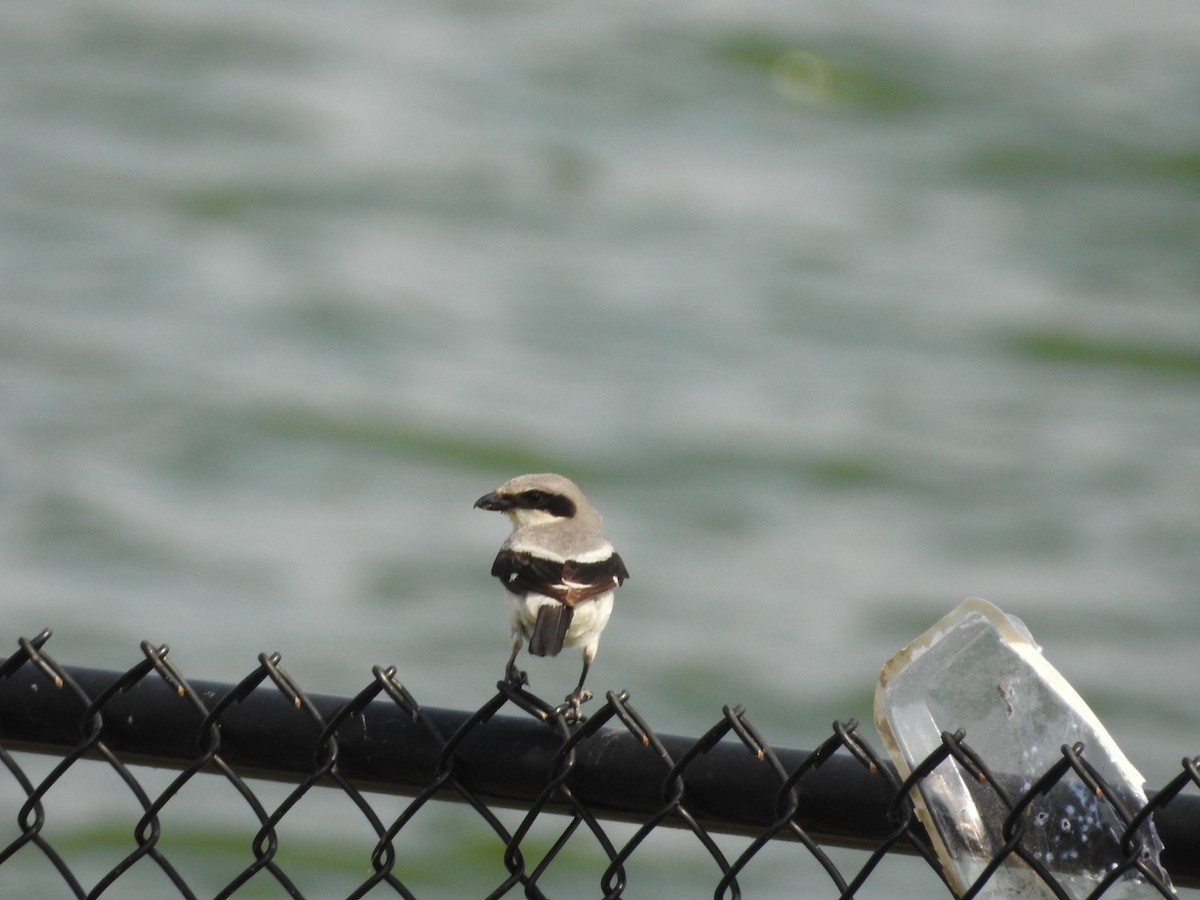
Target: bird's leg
(512, 674)
(579, 696)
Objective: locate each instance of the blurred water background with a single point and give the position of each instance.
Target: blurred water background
(840, 312)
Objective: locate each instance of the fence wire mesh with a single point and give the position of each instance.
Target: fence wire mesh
(610, 776)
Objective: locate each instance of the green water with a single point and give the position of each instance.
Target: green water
(839, 314)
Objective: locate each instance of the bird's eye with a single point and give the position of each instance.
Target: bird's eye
(546, 501)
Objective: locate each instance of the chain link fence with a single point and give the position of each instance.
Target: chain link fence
(538, 784)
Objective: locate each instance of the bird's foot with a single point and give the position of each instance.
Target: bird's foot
(516, 677)
(571, 709)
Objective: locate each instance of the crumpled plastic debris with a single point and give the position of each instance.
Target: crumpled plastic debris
(980, 671)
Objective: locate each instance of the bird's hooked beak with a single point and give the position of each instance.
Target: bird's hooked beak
(494, 501)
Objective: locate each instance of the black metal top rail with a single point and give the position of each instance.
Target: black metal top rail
(612, 765)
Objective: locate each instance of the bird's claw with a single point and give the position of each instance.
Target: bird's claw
(571, 709)
(516, 677)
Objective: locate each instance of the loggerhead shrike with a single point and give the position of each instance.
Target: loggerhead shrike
(559, 569)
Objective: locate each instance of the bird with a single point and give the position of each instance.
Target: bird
(559, 571)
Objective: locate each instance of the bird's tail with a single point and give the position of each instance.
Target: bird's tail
(550, 629)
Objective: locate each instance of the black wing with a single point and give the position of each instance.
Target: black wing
(569, 582)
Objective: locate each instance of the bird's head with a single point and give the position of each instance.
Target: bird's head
(537, 500)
